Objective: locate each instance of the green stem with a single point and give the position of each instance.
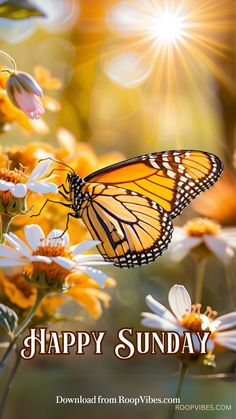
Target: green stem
(5, 223)
(181, 376)
(182, 373)
(230, 281)
(20, 329)
(9, 381)
(200, 269)
(5, 54)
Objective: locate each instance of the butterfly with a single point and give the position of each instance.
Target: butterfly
(129, 206)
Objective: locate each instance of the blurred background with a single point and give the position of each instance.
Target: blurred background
(126, 89)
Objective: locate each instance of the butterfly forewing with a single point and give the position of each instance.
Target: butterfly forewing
(133, 229)
(170, 178)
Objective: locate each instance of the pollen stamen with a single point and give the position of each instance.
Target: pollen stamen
(200, 226)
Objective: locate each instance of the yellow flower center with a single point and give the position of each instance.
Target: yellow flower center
(49, 275)
(11, 204)
(200, 226)
(196, 321)
(53, 248)
(14, 176)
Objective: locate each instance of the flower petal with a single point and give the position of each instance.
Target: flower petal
(57, 237)
(96, 274)
(19, 190)
(226, 339)
(41, 168)
(39, 258)
(179, 300)
(18, 244)
(178, 251)
(159, 309)
(34, 234)
(158, 322)
(219, 247)
(64, 262)
(5, 186)
(80, 259)
(7, 262)
(42, 187)
(9, 252)
(83, 246)
(227, 321)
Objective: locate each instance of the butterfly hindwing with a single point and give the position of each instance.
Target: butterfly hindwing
(170, 178)
(133, 229)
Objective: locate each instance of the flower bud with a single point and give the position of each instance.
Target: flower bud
(24, 92)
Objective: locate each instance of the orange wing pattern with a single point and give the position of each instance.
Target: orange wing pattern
(133, 229)
(170, 178)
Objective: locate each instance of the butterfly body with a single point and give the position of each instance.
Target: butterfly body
(129, 206)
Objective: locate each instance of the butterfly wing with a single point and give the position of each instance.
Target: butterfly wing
(170, 178)
(133, 229)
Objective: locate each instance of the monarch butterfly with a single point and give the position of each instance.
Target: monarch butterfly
(129, 206)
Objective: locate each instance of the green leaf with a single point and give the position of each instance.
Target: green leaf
(8, 319)
(19, 10)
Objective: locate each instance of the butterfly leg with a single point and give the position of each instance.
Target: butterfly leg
(54, 202)
(65, 195)
(70, 214)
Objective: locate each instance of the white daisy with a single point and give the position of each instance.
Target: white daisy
(201, 231)
(17, 182)
(51, 258)
(188, 317)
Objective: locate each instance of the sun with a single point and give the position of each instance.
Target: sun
(168, 28)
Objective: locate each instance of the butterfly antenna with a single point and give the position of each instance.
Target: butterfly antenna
(59, 162)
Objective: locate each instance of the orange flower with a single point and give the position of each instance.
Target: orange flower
(219, 202)
(87, 293)
(15, 291)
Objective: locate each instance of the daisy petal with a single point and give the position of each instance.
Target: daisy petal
(83, 246)
(42, 187)
(64, 262)
(159, 309)
(96, 274)
(34, 234)
(18, 244)
(81, 259)
(57, 235)
(178, 251)
(7, 262)
(227, 321)
(41, 168)
(227, 339)
(157, 322)
(219, 247)
(9, 252)
(179, 300)
(18, 190)
(39, 258)
(5, 186)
